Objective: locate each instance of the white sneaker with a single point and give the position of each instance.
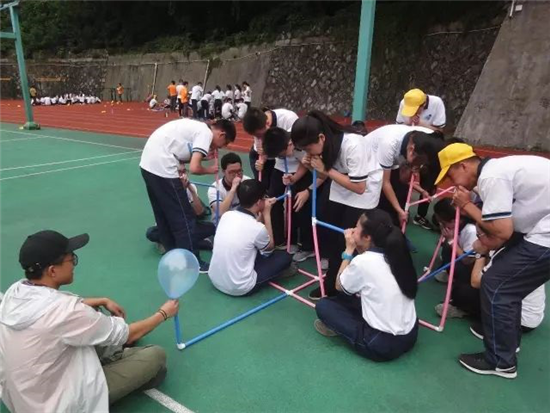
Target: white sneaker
(301, 256)
(442, 277)
(324, 264)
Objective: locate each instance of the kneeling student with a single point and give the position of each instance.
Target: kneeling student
(236, 267)
(382, 323)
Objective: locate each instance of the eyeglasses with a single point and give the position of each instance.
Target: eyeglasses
(74, 259)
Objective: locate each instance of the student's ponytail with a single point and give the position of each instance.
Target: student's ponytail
(378, 225)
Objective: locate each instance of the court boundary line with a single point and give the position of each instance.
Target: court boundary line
(77, 140)
(67, 169)
(167, 401)
(69, 161)
(19, 140)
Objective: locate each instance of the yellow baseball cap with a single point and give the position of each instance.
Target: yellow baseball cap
(452, 154)
(412, 100)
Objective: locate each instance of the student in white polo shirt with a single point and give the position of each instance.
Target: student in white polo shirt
(399, 145)
(232, 170)
(256, 122)
(218, 97)
(419, 109)
(228, 111)
(175, 142)
(242, 258)
(241, 108)
(196, 95)
(247, 94)
(338, 153)
(515, 191)
(381, 323)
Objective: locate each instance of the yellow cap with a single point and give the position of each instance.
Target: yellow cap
(413, 99)
(452, 154)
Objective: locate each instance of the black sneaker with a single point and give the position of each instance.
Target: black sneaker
(476, 362)
(477, 329)
(203, 267)
(423, 222)
(315, 295)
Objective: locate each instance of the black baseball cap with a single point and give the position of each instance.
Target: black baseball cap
(42, 249)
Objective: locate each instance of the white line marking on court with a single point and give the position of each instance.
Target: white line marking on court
(21, 139)
(67, 169)
(76, 140)
(72, 160)
(167, 401)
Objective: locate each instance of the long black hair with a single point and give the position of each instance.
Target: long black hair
(378, 225)
(307, 129)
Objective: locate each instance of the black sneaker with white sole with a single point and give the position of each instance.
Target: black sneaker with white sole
(476, 362)
(315, 295)
(423, 222)
(476, 328)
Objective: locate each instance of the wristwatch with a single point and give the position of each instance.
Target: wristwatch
(479, 256)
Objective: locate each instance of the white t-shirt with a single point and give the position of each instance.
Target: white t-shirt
(229, 94)
(238, 94)
(196, 92)
(532, 306)
(387, 141)
(152, 103)
(47, 101)
(48, 362)
(212, 194)
(467, 237)
(238, 239)
(242, 108)
(217, 94)
(433, 115)
(357, 160)
(384, 306)
(518, 187)
(207, 97)
(227, 110)
(172, 143)
(247, 94)
(179, 88)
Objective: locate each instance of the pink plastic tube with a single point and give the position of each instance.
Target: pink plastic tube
(318, 260)
(289, 221)
(292, 294)
(308, 274)
(420, 201)
(434, 257)
(409, 195)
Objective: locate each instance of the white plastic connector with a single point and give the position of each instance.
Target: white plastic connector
(180, 346)
(288, 292)
(313, 221)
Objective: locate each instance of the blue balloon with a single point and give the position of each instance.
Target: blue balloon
(178, 271)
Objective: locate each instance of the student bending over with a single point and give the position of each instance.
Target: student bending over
(382, 323)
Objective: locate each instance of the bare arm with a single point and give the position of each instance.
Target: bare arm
(343, 180)
(140, 328)
(197, 204)
(195, 166)
(267, 222)
(498, 228)
(475, 279)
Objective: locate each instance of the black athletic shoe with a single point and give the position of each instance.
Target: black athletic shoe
(477, 329)
(203, 267)
(476, 362)
(315, 295)
(423, 222)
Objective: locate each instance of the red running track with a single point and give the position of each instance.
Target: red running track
(136, 120)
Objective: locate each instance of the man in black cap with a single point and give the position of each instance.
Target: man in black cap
(50, 340)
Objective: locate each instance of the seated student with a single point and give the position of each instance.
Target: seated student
(381, 323)
(277, 144)
(241, 108)
(460, 296)
(227, 110)
(50, 339)
(232, 170)
(236, 268)
(489, 250)
(153, 103)
(202, 230)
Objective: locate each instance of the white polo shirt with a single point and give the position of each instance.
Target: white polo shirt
(212, 193)
(518, 187)
(227, 110)
(387, 141)
(247, 94)
(196, 92)
(356, 159)
(172, 143)
(217, 94)
(467, 237)
(242, 108)
(229, 94)
(239, 237)
(238, 94)
(384, 307)
(179, 88)
(433, 115)
(532, 306)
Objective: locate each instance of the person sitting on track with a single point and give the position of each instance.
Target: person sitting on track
(381, 323)
(236, 267)
(57, 353)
